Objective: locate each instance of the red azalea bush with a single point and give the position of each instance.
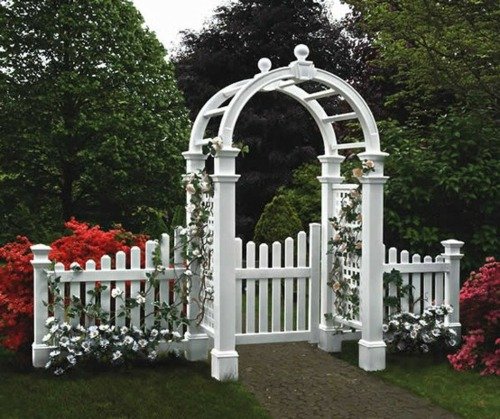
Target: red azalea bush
(16, 275)
(480, 315)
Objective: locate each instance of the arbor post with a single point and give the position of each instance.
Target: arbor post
(40, 262)
(330, 175)
(452, 256)
(372, 347)
(196, 338)
(224, 355)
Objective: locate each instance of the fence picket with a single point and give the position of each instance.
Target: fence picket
(405, 258)
(106, 293)
(393, 292)
(121, 263)
(427, 291)
(165, 261)
(239, 283)
(301, 282)
(89, 266)
(58, 310)
(276, 299)
(74, 290)
(178, 263)
(263, 290)
(250, 289)
(416, 279)
(289, 245)
(150, 296)
(135, 286)
(439, 283)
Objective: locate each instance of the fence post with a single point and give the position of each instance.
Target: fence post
(372, 346)
(452, 256)
(224, 355)
(40, 262)
(330, 175)
(196, 338)
(314, 280)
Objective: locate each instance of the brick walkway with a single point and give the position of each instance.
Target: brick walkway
(297, 380)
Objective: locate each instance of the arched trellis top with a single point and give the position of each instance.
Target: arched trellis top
(286, 80)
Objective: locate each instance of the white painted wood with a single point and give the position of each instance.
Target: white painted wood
(315, 280)
(319, 95)
(90, 267)
(408, 268)
(148, 306)
(272, 337)
(427, 291)
(58, 310)
(74, 290)
(452, 256)
(135, 288)
(178, 263)
(404, 258)
(164, 283)
(250, 290)
(340, 117)
(118, 275)
(281, 272)
(439, 283)
(301, 281)
(263, 290)
(239, 290)
(215, 112)
(276, 290)
(288, 305)
(121, 264)
(393, 258)
(416, 280)
(106, 293)
(348, 146)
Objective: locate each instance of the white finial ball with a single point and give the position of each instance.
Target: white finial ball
(264, 65)
(301, 52)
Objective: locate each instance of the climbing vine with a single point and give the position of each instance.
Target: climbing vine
(345, 246)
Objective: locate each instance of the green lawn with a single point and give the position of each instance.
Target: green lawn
(171, 389)
(465, 393)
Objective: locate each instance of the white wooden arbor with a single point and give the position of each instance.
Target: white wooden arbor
(287, 80)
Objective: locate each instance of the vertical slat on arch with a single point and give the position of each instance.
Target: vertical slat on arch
(250, 307)
(239, 283)
(89, 266)
(427, 292)
(405, 258)
(106, 293)
(135, 286)
(301, 282)
(276, 299)
(416, 279)
(119, 301)
(165, 260)
(288, 286)
(263, 290)
(150, 292)
(439, 283)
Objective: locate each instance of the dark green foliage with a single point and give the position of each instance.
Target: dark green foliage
(91, 119)
(278, 221)
(280, 133)
(304, 193)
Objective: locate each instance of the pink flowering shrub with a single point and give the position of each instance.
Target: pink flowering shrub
(480, 314)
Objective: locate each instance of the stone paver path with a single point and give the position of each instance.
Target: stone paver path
(297, 380)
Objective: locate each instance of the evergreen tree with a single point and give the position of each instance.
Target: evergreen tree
(92, 122)
(280, 133)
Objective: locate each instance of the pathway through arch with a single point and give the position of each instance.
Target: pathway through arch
(298, 380)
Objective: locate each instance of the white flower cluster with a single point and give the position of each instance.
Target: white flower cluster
(408, 332)
(106, 344)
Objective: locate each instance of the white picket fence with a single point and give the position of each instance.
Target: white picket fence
(277, 294)
(430, 279)
(130, 269)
